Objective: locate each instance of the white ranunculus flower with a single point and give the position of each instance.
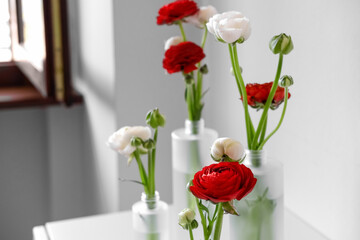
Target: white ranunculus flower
(227, 146)
(120, 140)
(186, 216)
(173, 41)
(202, 16)
(229, 26)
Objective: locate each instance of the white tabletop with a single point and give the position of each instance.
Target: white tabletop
(115, 226)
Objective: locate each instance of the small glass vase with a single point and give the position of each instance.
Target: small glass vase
(190, 153)
(150, 218)
(262, 211)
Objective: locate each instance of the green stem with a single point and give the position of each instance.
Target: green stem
(182, 31)
(203, 41)
(199, 87)
(191, 232)
(242, 91)
(142, 172)
(151, 166)
(203, 220)
(280, 122)
(189, 101)
(263, 132)
(219, 220)
(268, 102)
(211, 223)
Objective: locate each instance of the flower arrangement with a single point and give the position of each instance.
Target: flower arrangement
(134, 141)
(185, 56)
(218, 184)
(262, 210)
(234, 28)
(211, 183)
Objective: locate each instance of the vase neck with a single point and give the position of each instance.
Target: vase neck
(194, 127)
(256, 158)
(152, 201)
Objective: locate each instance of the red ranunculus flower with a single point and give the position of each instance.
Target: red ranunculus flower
(176, 11)
(257, 95)
(183, 57)
(223, 182)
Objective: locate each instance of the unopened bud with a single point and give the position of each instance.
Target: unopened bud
(281, 43)
(186, 218)
(155, 119)
(227, 149)
(204, 69)
(286, 81)
(149, 144)
(194, 224)
(136, 141)
(188, 78)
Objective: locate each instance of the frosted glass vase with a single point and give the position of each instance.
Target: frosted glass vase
(262, 211)
(190, 152)
(150, 218)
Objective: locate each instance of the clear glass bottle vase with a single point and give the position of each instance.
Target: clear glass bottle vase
(190, 153)
(262, 211)
(150, 218)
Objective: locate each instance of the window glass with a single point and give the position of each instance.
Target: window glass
(33, 31)
(5, 39)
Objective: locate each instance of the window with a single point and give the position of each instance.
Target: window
(38, 71)
(5, 40)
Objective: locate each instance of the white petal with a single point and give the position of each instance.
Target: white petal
(205, 13)
(120, 141)
(127, 151)
(173, 41)
(217, 149)
(230, 35)
(139, 131)
(234, 149)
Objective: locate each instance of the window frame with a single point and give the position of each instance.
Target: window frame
(53, 84)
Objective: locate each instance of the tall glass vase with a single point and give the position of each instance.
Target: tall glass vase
(150, 218)
(190, 152)
(262, 211)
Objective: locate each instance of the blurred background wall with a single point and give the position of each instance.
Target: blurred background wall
(54, 161)
(318, 141)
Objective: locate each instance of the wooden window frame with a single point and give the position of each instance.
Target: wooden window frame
(21, 83)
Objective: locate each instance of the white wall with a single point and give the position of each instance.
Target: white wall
(24, 200)
(118, 69)
(141, 85)
(318, 142)
(94, 76)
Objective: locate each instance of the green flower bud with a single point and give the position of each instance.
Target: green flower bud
(240, 40)
(136, 141)
(286, 81)
(149, 144)
(186, 218)
(281, 43)
(204, 69)
(194, 224)
(188, 79)
(155, 119)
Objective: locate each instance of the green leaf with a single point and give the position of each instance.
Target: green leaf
(229, 208)
(203, 207)
(205, 92)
